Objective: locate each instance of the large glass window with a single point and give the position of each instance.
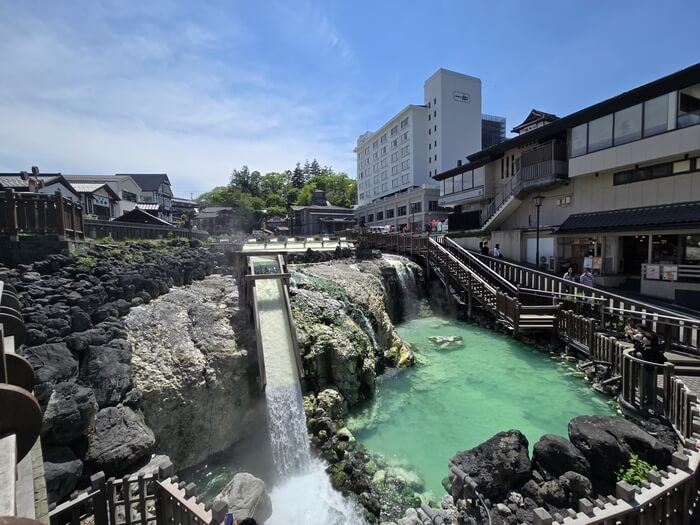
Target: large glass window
(689, 106)
(600, 133)
(578, 143)
(449, 186)
(458, 183)
(380, 215)
(628, 125)
(656, 115)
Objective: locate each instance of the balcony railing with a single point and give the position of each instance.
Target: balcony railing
(543, 165)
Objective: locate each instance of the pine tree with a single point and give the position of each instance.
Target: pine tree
(314, 169)
(298, 177)
(307, 171)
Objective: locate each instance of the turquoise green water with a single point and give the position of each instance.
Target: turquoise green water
(455, 399)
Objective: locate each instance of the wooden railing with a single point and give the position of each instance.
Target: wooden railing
(576, 330)
(141, 499)
(39, 214)
(96, 229)
(678, 329)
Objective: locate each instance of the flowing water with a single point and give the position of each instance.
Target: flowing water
(302, 492)
(456, 399)
(408, 286)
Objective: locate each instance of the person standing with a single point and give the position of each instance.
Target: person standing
(570, 275)
(586, 277)
(497, 252)
(485, 248)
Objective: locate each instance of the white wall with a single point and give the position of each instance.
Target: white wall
(458, 123)
(51, 189)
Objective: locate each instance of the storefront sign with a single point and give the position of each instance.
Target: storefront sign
(100, 201)
(670, 273)
(653, 271)
(597, 263)
(588, 262)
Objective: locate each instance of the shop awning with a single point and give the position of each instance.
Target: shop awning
(644, 218)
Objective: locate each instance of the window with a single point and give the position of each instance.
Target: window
(502, 168)
(394, 143)
(628, 125)
(376, 179)
(370, 217)
(384, 150)
(417, 207)
(435, 113)
(435, 128)
(656, 115)
(394, 169)
(429, 131)
(380, 215)
(384, 187)
(436, 143)
(394, 156)
(436, 157)
(128, 196)
(395, 183)
(390, 213)
(689, 106)
(362, 218)
(401, 211)
(404, 137)
(383, 138)
(404, 123)
(404, 165)
(404, 151)
(428, 118)
(430, 146)
(657, 171)
(578, 140)
(404, 178)
(458, 182)
(384, 176)
(600, 133)
(376, 155)
(449, 186)
(435, 101)
(432, 205)
(375, 144)
(394, 130)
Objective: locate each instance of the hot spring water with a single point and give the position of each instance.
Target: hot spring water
(455, 399)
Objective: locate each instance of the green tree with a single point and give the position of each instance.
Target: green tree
(246, 181)
(304, 197)
(314, 169)
(298, 178)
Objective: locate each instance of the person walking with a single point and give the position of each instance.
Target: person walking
(569, 275)
(485, 248)
(586, 277)
(497, 252)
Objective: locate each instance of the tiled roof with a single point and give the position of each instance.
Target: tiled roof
(147, 181)
(633, 219)
(322, 208)
(12, 181)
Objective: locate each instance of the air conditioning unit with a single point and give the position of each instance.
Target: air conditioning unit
(550, 264)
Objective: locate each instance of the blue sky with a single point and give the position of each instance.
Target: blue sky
(196, 89)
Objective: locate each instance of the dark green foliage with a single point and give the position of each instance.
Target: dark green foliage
(255, 197)
(636, 471)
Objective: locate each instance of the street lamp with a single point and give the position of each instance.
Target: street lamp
(537, 199)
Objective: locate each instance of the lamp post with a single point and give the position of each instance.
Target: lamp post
(537, 199)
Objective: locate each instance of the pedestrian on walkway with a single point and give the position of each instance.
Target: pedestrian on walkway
(570, 275)
(485, 248)
(497, 252)
(586, 277)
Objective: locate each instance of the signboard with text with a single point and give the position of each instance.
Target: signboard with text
(653, 271)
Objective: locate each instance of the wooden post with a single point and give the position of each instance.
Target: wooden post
(11, 214)
(98, 484)
(60, 217)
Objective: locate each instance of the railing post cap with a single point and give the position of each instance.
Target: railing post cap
(542, 517)
(218, 510)
(98, 479)
(166, 470)
(625, 491)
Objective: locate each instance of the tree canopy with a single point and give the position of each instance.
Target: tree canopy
(255, 197)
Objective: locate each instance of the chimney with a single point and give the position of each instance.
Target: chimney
(459, 163)
(23, 175)
(35, 171)
(319, 198)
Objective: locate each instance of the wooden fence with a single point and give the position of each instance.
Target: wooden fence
(39, 214)
(129, 230)
(141, 499)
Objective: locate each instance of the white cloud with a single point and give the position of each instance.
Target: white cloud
(91, 93)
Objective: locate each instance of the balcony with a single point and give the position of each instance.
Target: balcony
(543, 167)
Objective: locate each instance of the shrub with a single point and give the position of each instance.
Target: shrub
(86, 260)
(636, 471)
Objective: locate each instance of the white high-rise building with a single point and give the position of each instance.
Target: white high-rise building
(395, 163)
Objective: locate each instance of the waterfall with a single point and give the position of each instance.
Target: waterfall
(370, 331)
(408, 286)
(287, 425)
